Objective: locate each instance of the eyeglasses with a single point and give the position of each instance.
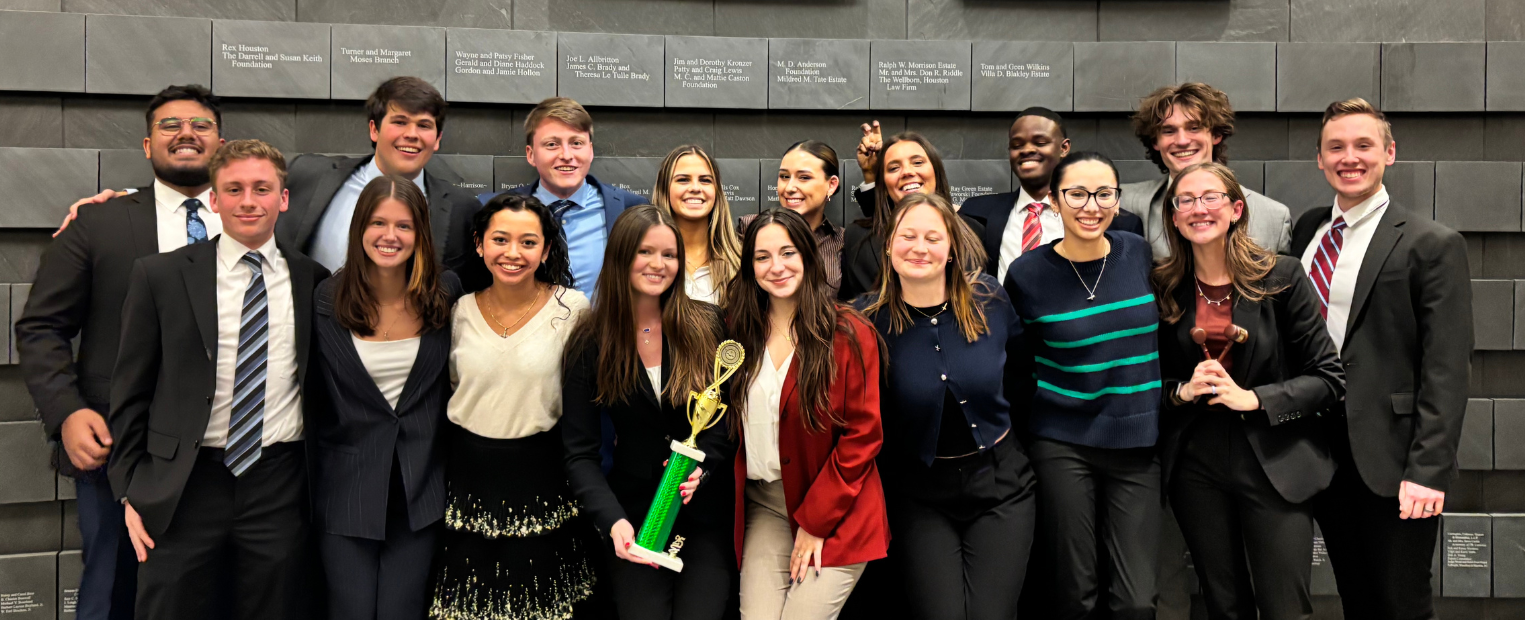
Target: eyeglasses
(171, 126)
(1077, 197)
(1212, 201)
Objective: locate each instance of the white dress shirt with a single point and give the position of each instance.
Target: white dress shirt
(389, 362)
(700, 284)
(654, 373)
(1011, 238)
(330, 241)
(1360, 224)
(763, 398)
(283, 405)
(169, 206)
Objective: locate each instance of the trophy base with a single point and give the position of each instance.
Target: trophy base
(660, 559)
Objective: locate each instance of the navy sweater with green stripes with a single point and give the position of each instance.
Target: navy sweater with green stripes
(1091, 366)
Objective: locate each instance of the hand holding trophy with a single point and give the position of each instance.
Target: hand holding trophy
(704, 411)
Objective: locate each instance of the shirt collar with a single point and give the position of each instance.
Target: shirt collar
(370, 171)
(167, 200)
(1363, 211)
(582, 196)
(1024, 199)
(229, 251)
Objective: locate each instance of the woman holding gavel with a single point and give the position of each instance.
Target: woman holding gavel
(1240, 440)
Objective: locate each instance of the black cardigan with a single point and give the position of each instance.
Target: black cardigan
(1290, 363)
(646, 426)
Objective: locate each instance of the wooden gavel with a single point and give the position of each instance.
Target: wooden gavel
(1233, 333)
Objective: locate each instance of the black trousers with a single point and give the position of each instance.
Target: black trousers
(380, 579)
(1089, 495)
(700, 592)
(963, 530)
(1381, 563)
(1253, 550)
(237, 547)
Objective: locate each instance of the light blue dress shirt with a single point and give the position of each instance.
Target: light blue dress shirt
(586, 234)
(330, 241)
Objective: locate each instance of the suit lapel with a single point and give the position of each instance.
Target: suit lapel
(652, 398)
(324, 194)
(439, 209)
(1246, 314)
(143, 221)
(791, 380)
(1383, 240)
(995, 230)
(613, 203)
(430, 361)
(1187, 303)
(200, 274)
(348, 357)
(302, 285)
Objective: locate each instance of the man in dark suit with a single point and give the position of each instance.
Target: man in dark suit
(558, 142)
(1027, 218)
(407, 119)
(206, 408)
(1398, 303)
(80, 286)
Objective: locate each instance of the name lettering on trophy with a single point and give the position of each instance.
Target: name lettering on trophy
(241, 56)
(676, 546)
(508, 64)
(377, 56)
(596, 67)
(911, 75)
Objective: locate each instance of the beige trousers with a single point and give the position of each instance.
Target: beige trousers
(767, 593)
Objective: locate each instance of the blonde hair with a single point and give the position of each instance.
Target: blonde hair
(239, 150)
(1357, 105)
(561, 109)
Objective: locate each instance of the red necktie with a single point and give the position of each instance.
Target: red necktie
(1324, 260)
(1032, 230)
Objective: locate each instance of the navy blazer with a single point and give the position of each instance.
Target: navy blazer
(994, 211)
(928, 358)
(355, 434)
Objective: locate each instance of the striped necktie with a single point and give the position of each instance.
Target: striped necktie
(195, 229)
(1032, 229)
(247, 424)
(560, 209)
(1324, 260)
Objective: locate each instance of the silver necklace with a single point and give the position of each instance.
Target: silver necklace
(1210, 301)
(1091, 289)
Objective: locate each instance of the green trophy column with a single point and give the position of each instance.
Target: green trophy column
(664, 508)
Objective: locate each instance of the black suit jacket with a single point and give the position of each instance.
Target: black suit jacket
(314, 179)
(80, 286)
(1406, 350)
(861, 251)
(646, 427)
(356, 434)
(1288, 361)
(994, 211)
(161, 389)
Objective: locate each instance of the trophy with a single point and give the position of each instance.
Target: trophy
(704, 411)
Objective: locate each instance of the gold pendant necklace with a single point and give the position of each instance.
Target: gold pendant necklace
(539, 291)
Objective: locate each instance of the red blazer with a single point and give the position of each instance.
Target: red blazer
(831, 483)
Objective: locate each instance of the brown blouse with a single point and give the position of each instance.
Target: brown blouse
(1215, 318)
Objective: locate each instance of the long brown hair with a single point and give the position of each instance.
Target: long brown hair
(355, 305)
(816, 322)
(691, 329)
(961, 277)
(880, 218)
(1248, 263)
(724, 246)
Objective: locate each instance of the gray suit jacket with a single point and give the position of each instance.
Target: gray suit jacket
(1270, 221)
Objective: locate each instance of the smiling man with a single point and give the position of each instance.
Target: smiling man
(1020, 221)
(1190, 124)
(407, 120)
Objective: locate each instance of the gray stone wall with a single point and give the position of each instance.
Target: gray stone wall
(1449, 72)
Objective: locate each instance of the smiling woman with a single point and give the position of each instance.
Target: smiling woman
(689, 188)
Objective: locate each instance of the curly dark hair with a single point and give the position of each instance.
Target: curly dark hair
(556, 265)
(1206, 104)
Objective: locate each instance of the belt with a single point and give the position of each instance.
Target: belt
(278, 449)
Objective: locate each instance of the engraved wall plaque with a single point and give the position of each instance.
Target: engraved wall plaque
(366, 56)
(1011, 76)
(26, 472)
(473, 173)
(611, 69)
(968, 178)
(512, 172)
(1467, 555)
(499, 66)
(71, 567)
(818, 74)
(141, 55)
(270, 59)
(29, 586)
(636, 175)
(769, 176)
(920, 75)
(125, 169)
(717, 72)
(1322, 581)
(1476, 449)
(1112, 77)
(743, 188)
(38, 183)
(1509, 433)
(1509, 555)
(44, 51)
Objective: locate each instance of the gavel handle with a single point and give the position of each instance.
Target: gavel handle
(1224, 353)
(1206, 355)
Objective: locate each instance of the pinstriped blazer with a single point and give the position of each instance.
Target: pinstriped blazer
(355, 435)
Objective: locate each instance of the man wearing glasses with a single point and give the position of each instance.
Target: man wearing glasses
(79, 290)
(1184, 125)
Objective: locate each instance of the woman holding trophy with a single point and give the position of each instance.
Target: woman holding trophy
(644, 348)
(960, 488)
(809, 505)
(1240, 440)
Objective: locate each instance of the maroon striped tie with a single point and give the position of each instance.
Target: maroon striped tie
(1323, 262)
(1032, 230)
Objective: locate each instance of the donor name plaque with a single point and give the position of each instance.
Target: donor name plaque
(920, 75)
(366, 56)
(499, 66)
(1011, 76)
(717, 72)
(270, 59)
(817, 74)
(611, 69)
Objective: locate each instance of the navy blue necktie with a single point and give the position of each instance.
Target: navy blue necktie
(195, 229)
(560, 209)
(246, 427)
